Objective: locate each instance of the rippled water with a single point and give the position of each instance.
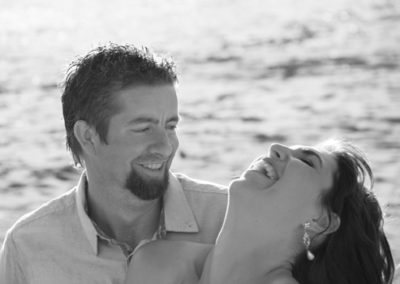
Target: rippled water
(318, 36)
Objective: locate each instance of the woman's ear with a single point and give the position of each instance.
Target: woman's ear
(86, 135)
(325, 224)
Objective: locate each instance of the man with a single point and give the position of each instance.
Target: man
(121, 112)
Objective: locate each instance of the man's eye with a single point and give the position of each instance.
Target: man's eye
(140, 130)
(172, 127)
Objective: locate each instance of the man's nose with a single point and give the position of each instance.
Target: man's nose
(161, 143)
(279, 151)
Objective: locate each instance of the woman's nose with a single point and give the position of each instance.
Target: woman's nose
(279, 151)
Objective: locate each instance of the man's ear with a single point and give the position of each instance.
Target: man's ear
(324, 225)
(87, 136)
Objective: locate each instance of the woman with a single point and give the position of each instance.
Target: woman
(299, 215)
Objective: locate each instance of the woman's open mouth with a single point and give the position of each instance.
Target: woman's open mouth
(266, 168)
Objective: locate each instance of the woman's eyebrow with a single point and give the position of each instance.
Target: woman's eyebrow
(313, 153)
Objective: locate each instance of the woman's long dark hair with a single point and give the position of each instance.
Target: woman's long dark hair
(358, 252)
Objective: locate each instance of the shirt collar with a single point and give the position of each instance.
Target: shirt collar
(178, 216)
(81, 201)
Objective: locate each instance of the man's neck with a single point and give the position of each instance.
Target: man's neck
(127, 220)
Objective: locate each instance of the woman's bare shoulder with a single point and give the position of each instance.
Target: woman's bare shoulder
(288, 280)
(166, 262)
(162, 253)
(166, 248)
(280, 276)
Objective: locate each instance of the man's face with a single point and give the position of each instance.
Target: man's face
(141, 140)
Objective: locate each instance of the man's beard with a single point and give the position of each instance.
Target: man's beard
(147, 189)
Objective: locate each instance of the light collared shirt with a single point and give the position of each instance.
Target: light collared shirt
(59, 243)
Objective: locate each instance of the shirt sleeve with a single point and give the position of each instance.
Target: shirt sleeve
(10, 263)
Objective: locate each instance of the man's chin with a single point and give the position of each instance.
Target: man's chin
(147, 187)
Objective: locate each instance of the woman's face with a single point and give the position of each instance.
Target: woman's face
(284, 186)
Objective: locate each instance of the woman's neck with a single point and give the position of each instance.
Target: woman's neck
(239, 258)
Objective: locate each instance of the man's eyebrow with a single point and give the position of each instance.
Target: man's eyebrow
(313, 153)
(144, 119)
(173, 119)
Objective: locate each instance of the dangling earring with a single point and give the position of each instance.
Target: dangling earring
(307, 242)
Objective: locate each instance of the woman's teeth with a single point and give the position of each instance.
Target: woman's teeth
(266, 168)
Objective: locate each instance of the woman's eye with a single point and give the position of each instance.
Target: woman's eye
(308, 162)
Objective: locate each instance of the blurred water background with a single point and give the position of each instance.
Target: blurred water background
(251, 73)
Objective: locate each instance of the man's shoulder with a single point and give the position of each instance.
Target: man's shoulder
(46, 215)
(200, 186)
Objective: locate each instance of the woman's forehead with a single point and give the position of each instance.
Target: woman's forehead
(306, 147)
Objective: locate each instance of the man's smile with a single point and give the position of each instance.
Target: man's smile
(152, 165)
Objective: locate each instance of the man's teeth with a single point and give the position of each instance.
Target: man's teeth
(152, 166)
(266, 168)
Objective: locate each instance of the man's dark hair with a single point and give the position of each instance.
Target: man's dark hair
(93, 81)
